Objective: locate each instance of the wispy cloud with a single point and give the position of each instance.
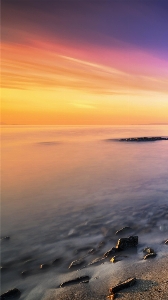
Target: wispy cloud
(83, 105)
(95, 66)
(30, 67)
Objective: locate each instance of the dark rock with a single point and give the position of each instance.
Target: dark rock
(123, 285)
(125, 243)
(150, 255)
(148, 250)
(144, 139)
(123, 230)
(57, 261)
(111, 251)
(166, 242)
(92, 251)
(75, 281)
(87, 248)
(25, 273)
(11, 294)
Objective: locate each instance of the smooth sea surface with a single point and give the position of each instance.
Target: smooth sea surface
(65, 188)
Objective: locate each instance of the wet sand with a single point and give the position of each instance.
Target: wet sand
(151, 281)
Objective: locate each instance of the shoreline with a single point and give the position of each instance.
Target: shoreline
(151, 281)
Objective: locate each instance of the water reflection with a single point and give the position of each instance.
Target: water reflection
(64, 189)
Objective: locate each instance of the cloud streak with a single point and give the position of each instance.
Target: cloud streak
(32, 67)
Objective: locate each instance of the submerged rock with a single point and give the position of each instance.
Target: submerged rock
(5, 238)
(77, 263)
(96, 260)
(123, 285)
(83, 249)
(125, 243)
(11, 294)
(25, 273)
(123, 230)
(44, 266)
(56, 261)
(101, 244)
(82, 279)
(92, 251)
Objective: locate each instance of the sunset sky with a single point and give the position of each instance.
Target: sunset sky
(84, 62)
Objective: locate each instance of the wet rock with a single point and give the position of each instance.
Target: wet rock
(92, 251)
(26, 273)
(125, 243)
(57, 261)
(111, 297)
(123, 230)
(83, 249)
(114, 259)
(150, 255)
(75, 281)
(11, 294)
(123, 285)
(110, 251)
(166, 242)
(101, 244)
(96, 260)
(148, 250)
(77, 263)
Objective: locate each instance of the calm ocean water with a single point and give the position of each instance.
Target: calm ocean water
(66, 187)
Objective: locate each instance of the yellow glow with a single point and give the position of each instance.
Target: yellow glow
(65, 106)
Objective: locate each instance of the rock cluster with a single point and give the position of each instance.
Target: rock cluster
(144, 139)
